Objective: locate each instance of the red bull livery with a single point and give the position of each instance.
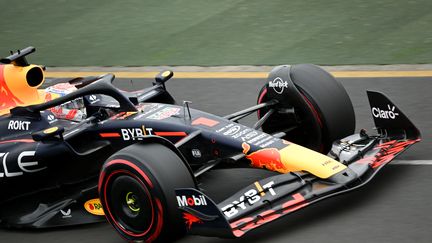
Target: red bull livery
(77, 151)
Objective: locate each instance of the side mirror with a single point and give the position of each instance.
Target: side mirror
(164, 76)
(52, 133)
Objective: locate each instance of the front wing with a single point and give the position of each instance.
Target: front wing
(271, 198)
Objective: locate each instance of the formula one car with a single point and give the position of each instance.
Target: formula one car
(75, 150)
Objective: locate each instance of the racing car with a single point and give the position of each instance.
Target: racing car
(80, 150)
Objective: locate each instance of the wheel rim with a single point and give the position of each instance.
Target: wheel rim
(131, 203)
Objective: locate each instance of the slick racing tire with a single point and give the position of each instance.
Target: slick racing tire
(136, 188)
(323, 111)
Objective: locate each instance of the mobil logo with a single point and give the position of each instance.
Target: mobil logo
(190, 201)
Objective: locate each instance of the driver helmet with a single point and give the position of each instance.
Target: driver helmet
(73, 110)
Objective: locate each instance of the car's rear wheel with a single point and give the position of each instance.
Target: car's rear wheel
(323, 110)
(136, 188)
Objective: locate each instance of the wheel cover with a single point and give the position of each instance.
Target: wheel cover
(131, 203)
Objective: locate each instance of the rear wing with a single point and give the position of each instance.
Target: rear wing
(389, 119)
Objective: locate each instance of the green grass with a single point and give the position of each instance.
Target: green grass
(218, 32)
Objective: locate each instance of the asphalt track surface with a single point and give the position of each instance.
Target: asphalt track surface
(394, 207)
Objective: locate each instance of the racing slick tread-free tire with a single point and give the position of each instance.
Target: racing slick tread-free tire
(136, 188)
(328, 103)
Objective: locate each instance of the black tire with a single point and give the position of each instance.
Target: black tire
(328, 103)
(136, 188)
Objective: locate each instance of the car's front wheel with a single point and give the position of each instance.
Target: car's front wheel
(136, 188)
(323, 111)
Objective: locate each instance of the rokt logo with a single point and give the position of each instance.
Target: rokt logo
(19, 125)
(385, 114)
(184, 201)
(278, 85)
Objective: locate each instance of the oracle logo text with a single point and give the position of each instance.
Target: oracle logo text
(17, 167)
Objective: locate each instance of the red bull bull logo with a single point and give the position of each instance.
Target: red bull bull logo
(191, 219)
(293, 158)
(270, 158)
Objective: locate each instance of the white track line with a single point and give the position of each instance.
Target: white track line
(411, 162)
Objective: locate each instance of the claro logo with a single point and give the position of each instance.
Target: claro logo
(184, 201)
(385, 114)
